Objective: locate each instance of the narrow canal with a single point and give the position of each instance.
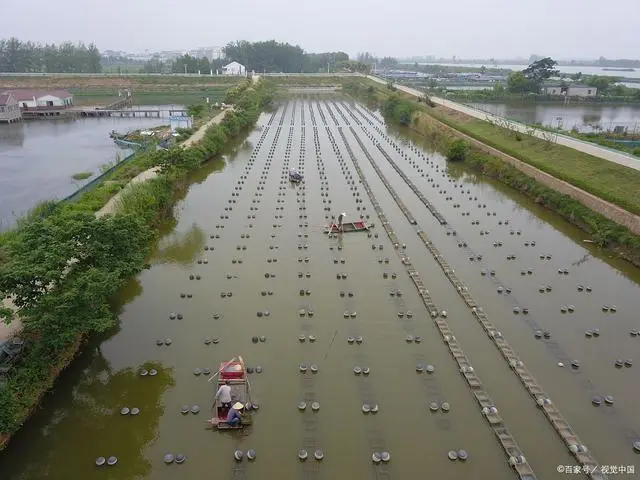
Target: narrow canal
(267, 269)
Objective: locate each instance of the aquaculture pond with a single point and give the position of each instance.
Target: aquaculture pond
(467, 334)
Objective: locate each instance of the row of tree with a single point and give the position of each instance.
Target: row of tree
(27, 57)
(272, 56)
(269, 56)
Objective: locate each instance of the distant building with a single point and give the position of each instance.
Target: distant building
(571, 90)
(9, 108)
(234, 68)
(43, 99)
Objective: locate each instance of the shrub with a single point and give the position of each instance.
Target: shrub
(398, 110)
(458, 151)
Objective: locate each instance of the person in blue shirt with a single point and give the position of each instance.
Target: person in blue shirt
(233, 417)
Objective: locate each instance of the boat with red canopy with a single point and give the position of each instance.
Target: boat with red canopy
(233, 372)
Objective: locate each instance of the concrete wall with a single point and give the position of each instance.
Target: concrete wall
(604, 208)
(573, 91)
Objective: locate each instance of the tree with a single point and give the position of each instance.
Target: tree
(539, 71)
(458, 151)
(204, 66)
(601, 82)
(388, 62)
(25, 57)
(185, 64)
(398, 110)
(155, 65)
(366, 58)
(40, 255)
(517, 82)
(498, 89)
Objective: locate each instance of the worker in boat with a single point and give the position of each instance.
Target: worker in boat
(234, 417)
(223, 395)
(340, 218)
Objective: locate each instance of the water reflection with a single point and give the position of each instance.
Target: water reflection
(499, 192)
(91, 410)
(580, 116)
(180, 247)
(12, 134)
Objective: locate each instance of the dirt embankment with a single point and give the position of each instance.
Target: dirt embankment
(115, 82)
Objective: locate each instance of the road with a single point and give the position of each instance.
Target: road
(580, 145)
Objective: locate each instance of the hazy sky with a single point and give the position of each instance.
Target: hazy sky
(465, 28)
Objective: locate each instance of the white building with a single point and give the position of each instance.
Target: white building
(234, 68)
(43, 99)
(571, 90)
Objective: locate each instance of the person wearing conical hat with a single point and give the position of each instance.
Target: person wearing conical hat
(340, 218)
(234, 417)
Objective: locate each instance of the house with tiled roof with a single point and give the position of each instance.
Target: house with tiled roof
(9, 108)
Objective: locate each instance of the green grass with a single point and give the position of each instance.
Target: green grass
(612, 182)
(81, 175)
(155, 97)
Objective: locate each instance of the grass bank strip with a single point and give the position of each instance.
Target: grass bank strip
(62, 302)
(112, 205)
(614, 183)
(596, 203)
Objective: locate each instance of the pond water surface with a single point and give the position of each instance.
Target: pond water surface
(263, 241)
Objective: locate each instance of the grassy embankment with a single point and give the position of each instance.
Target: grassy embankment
(614, 183)
(147, 90)
(597, 138)
(61, 301)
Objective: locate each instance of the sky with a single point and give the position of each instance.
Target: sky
(561, 29)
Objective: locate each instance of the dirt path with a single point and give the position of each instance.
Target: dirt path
(111, 207)
(197, 136)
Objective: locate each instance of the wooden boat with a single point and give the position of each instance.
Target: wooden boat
(234, 372)
(358, 226)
